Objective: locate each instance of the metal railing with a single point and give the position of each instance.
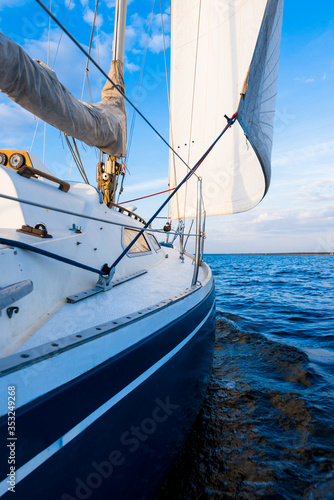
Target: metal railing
(200, 235)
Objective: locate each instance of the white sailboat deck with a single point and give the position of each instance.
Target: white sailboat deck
(125, 299)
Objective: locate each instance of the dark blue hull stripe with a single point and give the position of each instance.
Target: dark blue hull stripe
(66, 438)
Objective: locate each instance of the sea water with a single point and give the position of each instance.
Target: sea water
(266, 426)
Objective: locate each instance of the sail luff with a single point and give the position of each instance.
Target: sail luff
(37, 89)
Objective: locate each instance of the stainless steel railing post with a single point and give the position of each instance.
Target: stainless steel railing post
(198, 232)
(202, 237)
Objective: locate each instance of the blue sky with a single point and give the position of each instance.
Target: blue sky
(298, 212)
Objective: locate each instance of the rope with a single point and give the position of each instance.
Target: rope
(230, 122)
(25, 246)
(111, 81)
(76, 157)
(147, 196)
(171, 189)
(80, 161)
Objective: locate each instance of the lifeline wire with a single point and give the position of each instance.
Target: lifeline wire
(31, 248)
(110, 80)
(89, 217)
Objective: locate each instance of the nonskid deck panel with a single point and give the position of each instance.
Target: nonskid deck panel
(39, 353)
(163, 281)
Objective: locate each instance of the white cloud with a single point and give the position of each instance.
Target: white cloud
(70, 4)
(268, 217)
(11, 3)
(156, 43)
(311, 153)
(319, 191)
(16, 124)
(137, 33)
(304, 79)
(131, 67)
(130, 35)
(89, 18)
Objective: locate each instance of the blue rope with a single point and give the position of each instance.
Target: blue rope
(230, 122)
(189, 174)
(25, 246)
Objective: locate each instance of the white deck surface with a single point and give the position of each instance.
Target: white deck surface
(166, 279)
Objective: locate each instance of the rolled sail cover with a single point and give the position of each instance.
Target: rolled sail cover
(212, 48)
(37, 89)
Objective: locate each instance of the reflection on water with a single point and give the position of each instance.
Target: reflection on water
(262, 431)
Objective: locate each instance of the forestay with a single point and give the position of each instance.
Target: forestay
(36, 88)
(221, 49)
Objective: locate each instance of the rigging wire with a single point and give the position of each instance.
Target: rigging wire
(140, 81)
(137, 97)
(170, 116)
(47, 63)
(76, 157)
(99, 154)
(89, 52)
(111, 81)
(53, 64)
(230, 122)
(192, 107)
(80, 215)
(98, 53)
(61, 34)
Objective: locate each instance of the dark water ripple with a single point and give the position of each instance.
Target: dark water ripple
(266, 426)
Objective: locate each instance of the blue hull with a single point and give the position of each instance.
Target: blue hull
(126, 452)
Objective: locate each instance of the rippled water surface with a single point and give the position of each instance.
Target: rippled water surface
(266, 426)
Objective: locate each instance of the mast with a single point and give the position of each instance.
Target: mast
(119, 30)
(101, 124)
(109, 172)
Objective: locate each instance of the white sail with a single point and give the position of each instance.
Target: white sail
(37, 89)
(213, 44)
(257, 104)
